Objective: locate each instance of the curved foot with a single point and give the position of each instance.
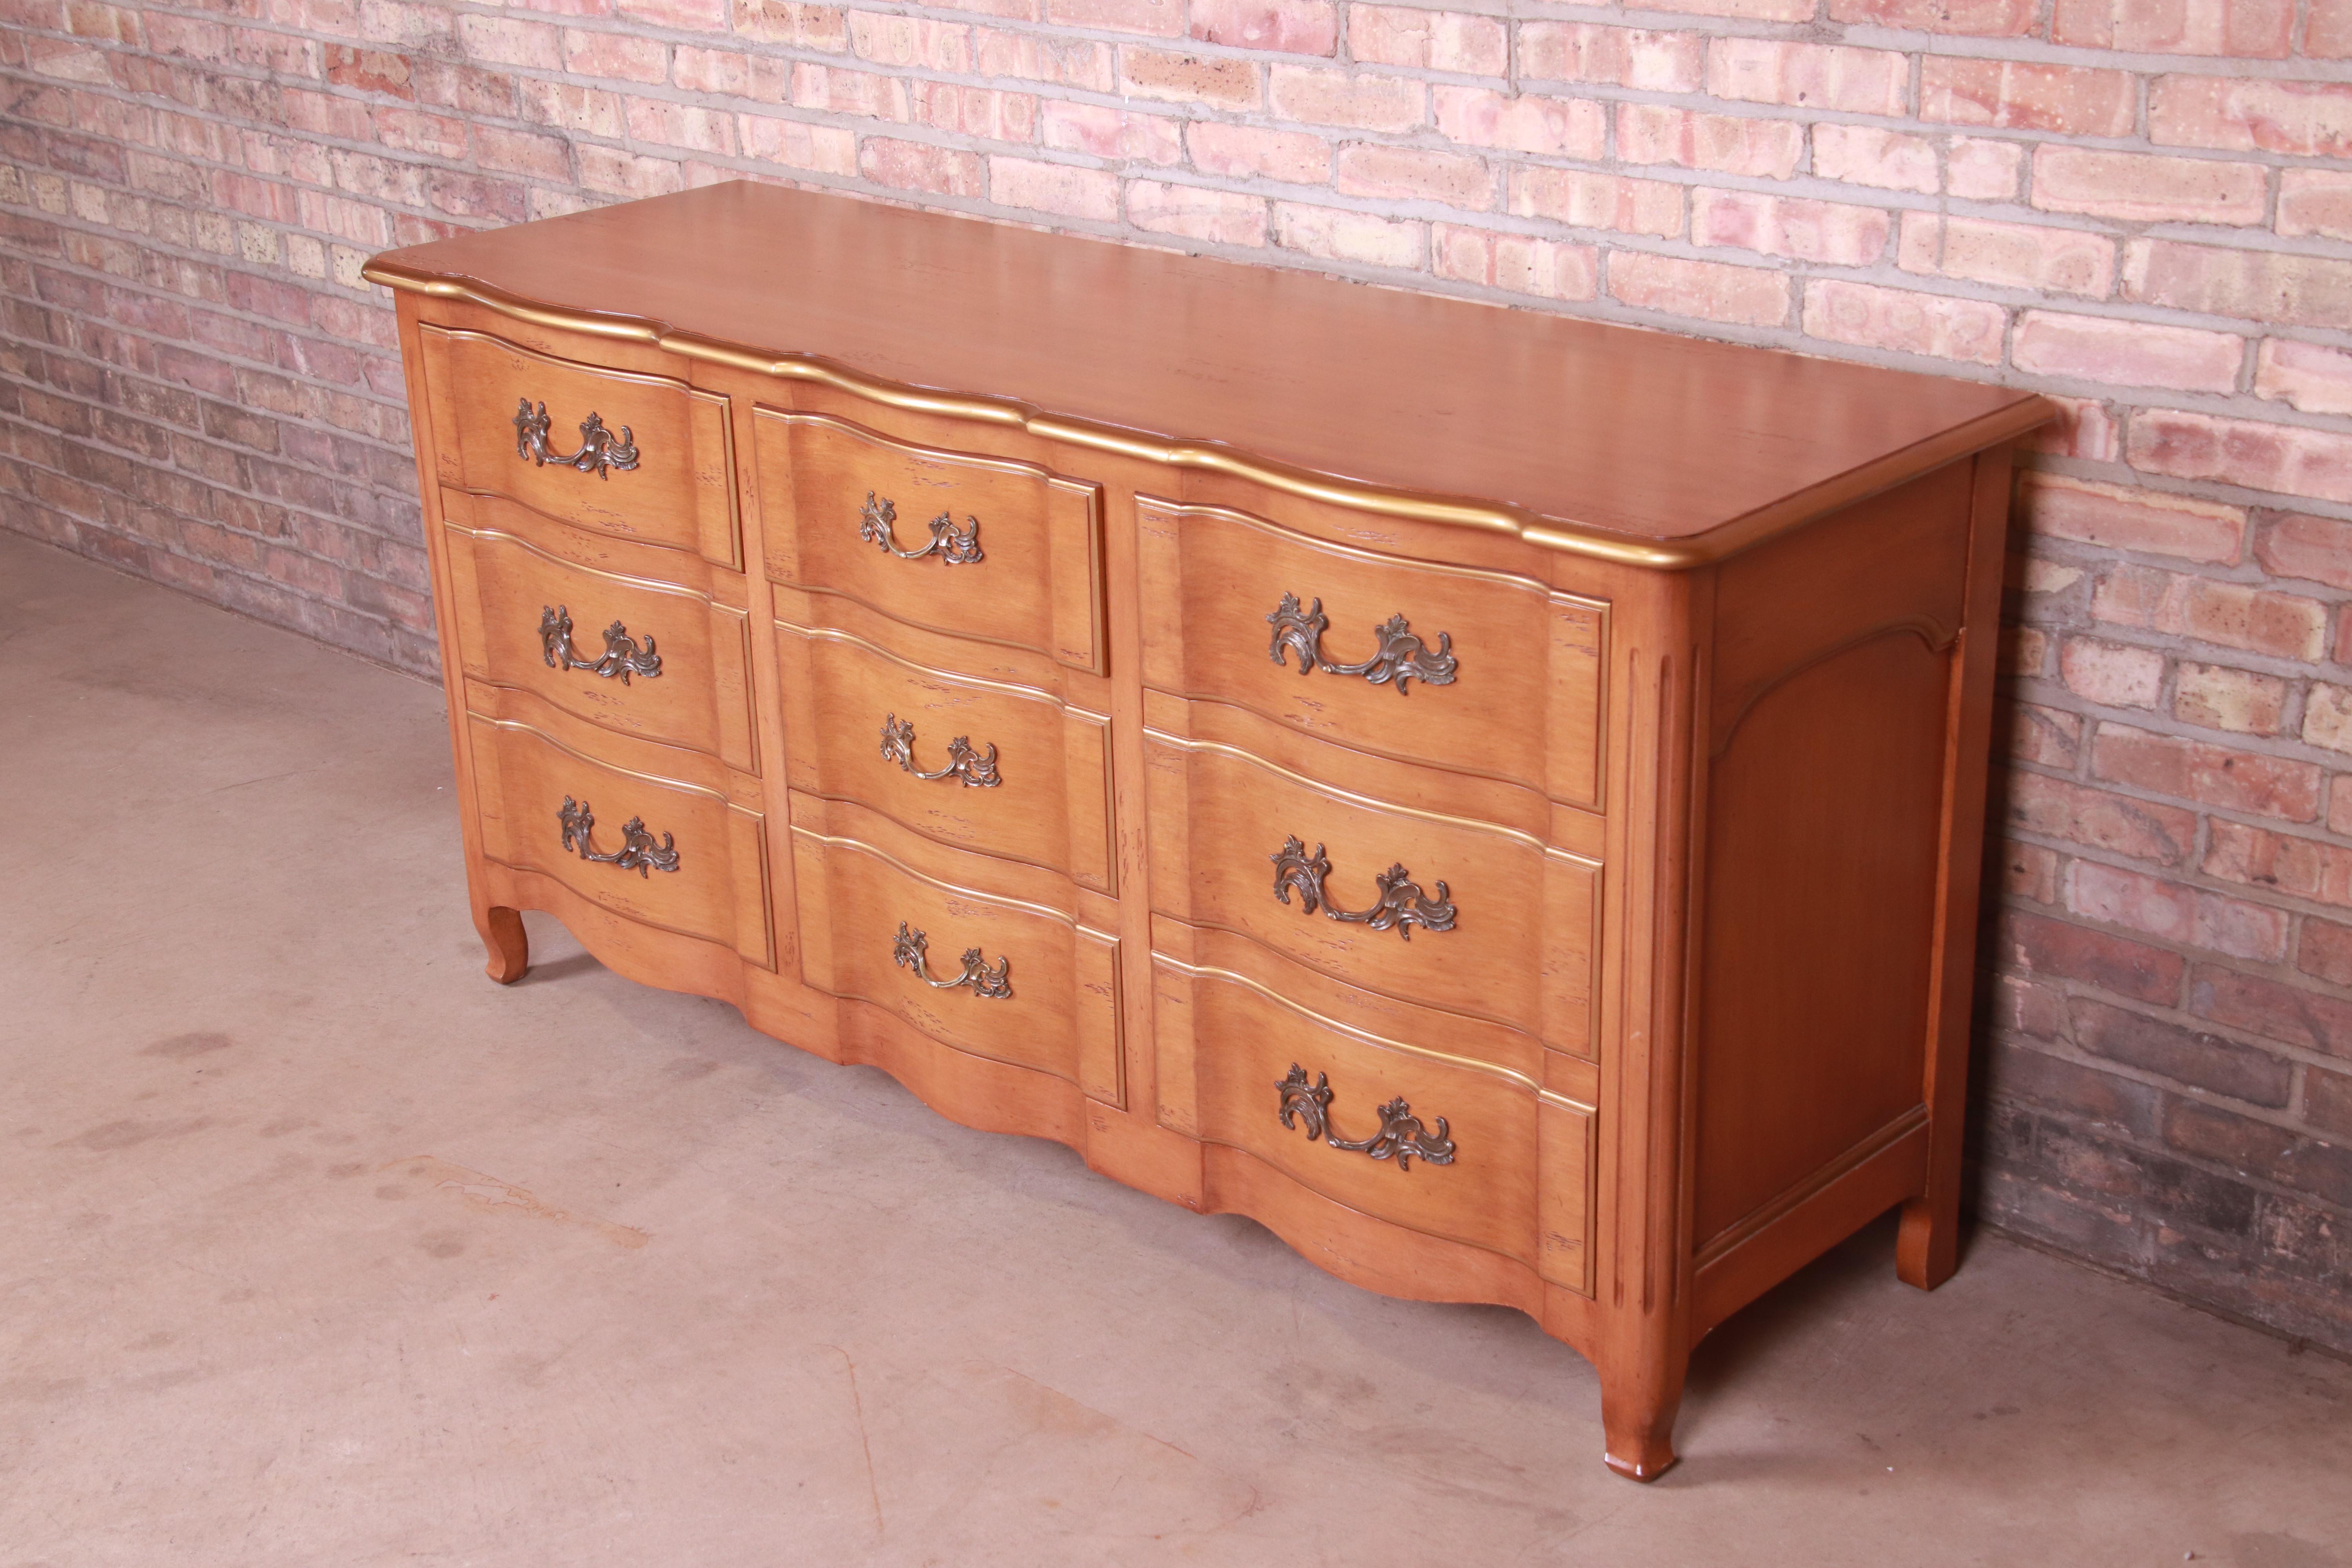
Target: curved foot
(1637, 1411)
(510, 947)
(1642, 1467)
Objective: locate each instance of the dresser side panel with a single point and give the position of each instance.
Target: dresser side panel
(1827, 736)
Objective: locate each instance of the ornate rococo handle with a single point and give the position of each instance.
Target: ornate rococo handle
(600, 451)
(989, 982)
(956, 546)
(1399, 657)
(976, 770)
(1401, 905)
(1402, 1137)
(622, 657)
(637, 853)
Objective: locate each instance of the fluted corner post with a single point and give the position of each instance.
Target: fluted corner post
(1645, 1283)
(1927, 1246)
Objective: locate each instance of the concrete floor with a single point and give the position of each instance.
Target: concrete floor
(322, 1249)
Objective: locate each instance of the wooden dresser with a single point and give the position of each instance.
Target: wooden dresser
(1496, 798)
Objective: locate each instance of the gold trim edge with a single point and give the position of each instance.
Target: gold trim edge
(1563, 535)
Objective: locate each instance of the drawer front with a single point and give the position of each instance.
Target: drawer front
(991, 766)
(1013, 981)
(957, 542)
(634, 654)
(1471, 670)
(635, 455)
(695, 864)
(1443, 913)
(1461, 1157)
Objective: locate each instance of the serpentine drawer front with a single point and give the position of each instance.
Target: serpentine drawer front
(1496, 798)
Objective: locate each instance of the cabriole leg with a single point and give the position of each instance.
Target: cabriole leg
(1638, 1401)
(508, 946)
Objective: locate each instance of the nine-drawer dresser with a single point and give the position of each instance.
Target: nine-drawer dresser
(1496, 798)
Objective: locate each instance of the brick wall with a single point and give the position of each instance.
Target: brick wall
(2142, 207)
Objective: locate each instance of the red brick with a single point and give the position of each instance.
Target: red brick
(1320, 96)
(1706, 289)
(822, 148)
(1282, 26)
(2029, 871)
(1804, 230)
(1218, 218)
(2272, 287)
(1613, 57)
(2134, 187)
(2288, 459)
(2327, 717)
(1598, 201)
(1412, 173)
(1554, 126)
(1657, 133)
(1809, 76)
(1867, 155)
(2016, 95)
(2306, 118)
(2024, 651)
(682, 15)
(370, 70)
(1545, 268)
(910, 41)
(791, 22)
(1909, 322)
(1161, 19)
(921, 166)
(2037, 945)
(614, 54)
(994, 116)
(2315, 202)
(1033, 57)
(1189, 78)
(1751, 10)
(2252, 28)
(2314, 378)
(1107, 132)
(2326, 950)
(2173, 912)
(1429, 40)
(1985, 18)
(2185, 1056)
(1063, 189)
(1982, 169)
(1329, 234)
(2126, 353)
(1244, 152)
(666, 124)
(2328, 1101)
(2327, 35)
(2288, 1014)
(2221, 697)
(2114, 675)
(2050, 736)
(2316, 549)
(2206, 773)
(2299, 867)
(2014, 254)
(2084, 428)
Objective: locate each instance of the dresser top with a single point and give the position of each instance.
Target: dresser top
(1589, 436)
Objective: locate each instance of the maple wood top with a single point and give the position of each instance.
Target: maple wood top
(1596, 427)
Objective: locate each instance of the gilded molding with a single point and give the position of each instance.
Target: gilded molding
(1564, 535)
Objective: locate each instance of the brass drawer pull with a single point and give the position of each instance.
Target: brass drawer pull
(989, 982)
(637, 853)
(600, 451)
(1401, 657)
(622, 657)
(956, 546)
(1401, 1136)
(1403, 905)
(976, 770)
